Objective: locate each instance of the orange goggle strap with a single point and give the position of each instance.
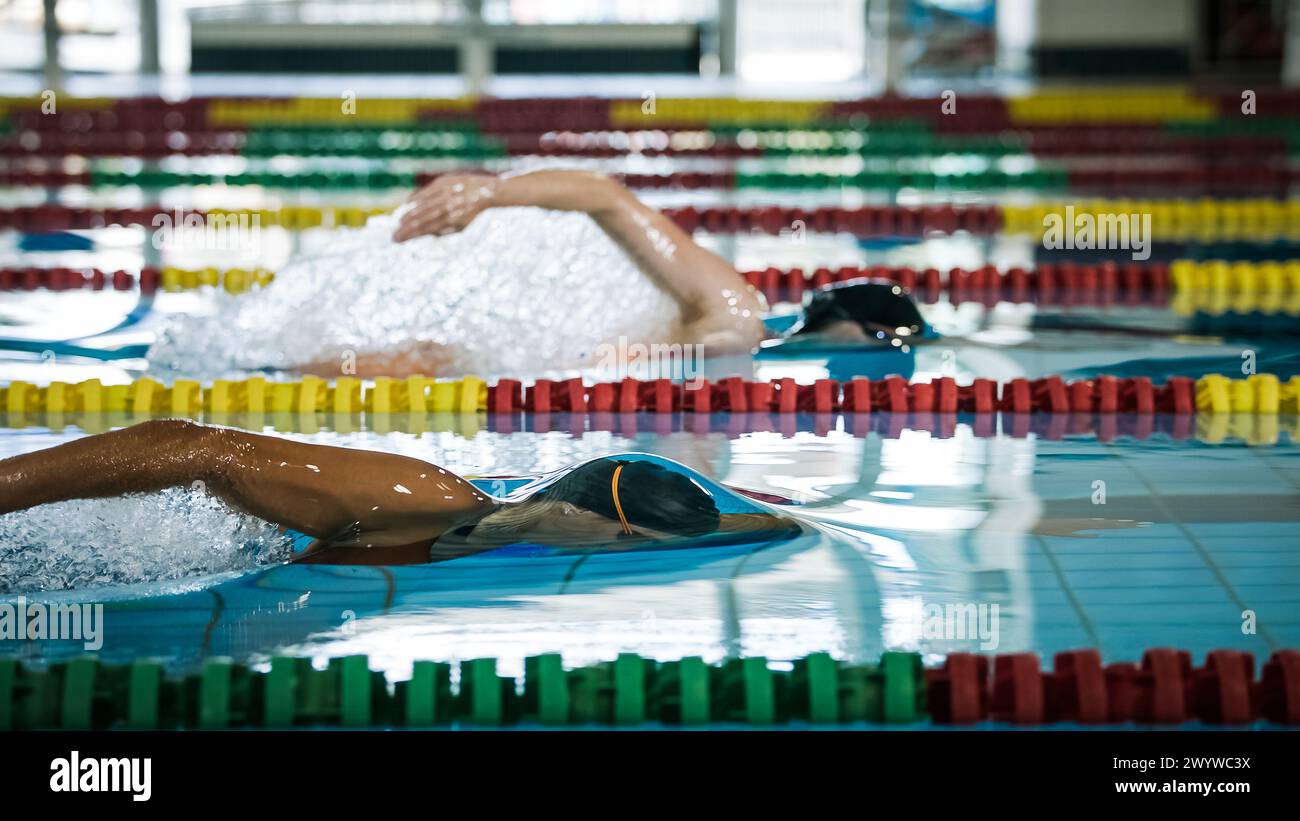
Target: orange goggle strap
(618, 505)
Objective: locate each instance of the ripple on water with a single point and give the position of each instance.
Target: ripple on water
(95, 543)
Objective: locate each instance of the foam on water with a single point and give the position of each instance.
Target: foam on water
(502, 296)
(92, 543)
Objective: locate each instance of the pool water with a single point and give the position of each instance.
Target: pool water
(995, 534)
(1057, 543)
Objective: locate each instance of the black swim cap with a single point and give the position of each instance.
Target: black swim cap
(649, 495)
(880, 307)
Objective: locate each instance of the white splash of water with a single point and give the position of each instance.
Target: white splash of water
(521, 291)
(94, 543)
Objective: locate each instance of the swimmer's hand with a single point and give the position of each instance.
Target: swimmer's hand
(452, 201)
(447, 205)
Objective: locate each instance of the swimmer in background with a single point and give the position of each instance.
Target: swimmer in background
(487, 274)
(719, 308)
(353, 506)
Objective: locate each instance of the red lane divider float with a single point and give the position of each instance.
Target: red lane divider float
(1206, 181)
(1218, 153)
(1164, 688)
(1046, 426)
(692, 180)
(869, 221)
(1260, 181)
(77, 279)
(976, 112)
(44, 218)
(893, 394)
(1065, 283)
(43, 177)
(1263, 394)
(575, 113)
(150, 144)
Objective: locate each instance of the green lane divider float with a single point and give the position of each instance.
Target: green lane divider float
(630, 691)
(377, 142)
(885, 180)
(316, 180)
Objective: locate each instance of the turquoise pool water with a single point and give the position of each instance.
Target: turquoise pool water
(1193, 547)
(1191, 536)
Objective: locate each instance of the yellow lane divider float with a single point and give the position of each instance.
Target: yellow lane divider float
(1089, 223)
(296, 217)
(1156, 104)
(185, 398)
(705, 111)
(1088, 105)
(232, 280)
(1215, 394)
(331, 110)
(1202, 278)
(1114, 223)
(1082, 225)
(1258, 393)
(1219, 287)
(1252, 428)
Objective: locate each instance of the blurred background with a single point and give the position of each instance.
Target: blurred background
(519, 46)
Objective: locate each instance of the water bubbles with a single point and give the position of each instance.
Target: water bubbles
(95, 543)
(520, 292)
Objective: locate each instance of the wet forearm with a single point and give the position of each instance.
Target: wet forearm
(146, 457)
(656, 243)
(704, 283)
(711, 295)
(558, 190)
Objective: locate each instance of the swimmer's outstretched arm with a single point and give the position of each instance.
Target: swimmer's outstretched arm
(719, 309)
(351, 497)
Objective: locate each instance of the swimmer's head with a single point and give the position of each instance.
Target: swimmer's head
(609, 499)
(861, 310)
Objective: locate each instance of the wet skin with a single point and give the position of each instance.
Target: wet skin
(343, 496)
(363, 507)
(719, 309)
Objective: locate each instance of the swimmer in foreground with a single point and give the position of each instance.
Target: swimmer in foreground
(364, 507)
(509, 275)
